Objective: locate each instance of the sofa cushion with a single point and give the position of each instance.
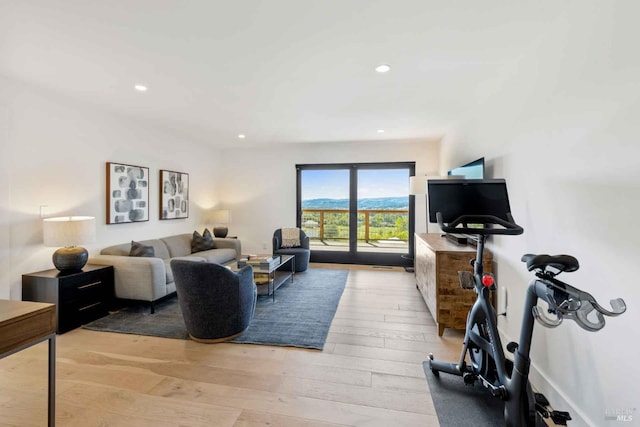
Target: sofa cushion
(178, 245)
(202, 242)
(138, 249)
(219, 256)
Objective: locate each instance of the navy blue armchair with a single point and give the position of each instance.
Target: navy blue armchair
(302, 252)
(217, 304)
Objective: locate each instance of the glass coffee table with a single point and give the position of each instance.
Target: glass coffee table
(271, 277)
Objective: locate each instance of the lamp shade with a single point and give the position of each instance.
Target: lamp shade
(69, 230)
(417, 185)
(220, 216)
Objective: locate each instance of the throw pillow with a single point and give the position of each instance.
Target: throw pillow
(202, 242)
(138, 249)
(290, 237)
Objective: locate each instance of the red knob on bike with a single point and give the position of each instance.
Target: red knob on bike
(487, 280)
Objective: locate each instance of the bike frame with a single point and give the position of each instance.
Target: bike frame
(513, 388)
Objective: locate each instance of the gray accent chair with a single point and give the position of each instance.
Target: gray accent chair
(217, 304)
(302, 252)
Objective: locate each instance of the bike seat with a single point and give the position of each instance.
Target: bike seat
(559, 262)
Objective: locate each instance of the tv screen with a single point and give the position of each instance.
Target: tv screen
(472, 170)
(457, 197)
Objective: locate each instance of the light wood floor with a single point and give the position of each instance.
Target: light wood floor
(369, 373)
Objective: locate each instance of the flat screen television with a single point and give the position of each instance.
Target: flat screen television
(471, 170)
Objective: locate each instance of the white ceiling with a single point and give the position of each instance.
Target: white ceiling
(275, 70)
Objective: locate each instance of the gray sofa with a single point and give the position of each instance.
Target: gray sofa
(150, 278)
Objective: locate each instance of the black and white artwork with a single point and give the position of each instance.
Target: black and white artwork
(174, 195)
(127, 193)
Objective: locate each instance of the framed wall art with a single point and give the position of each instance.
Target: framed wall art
(174, 195)
(127, 193)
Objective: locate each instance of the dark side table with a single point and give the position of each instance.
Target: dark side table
(80, 297)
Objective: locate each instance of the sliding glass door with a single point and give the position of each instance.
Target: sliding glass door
(357, 213)
(325, 208)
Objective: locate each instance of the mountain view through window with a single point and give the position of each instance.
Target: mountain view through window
(382, 209)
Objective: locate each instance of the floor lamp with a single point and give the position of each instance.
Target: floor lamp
(417, 187)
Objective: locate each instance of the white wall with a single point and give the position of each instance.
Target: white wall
(262, 192)
(54, 153)
(561, 125)
(5, 194)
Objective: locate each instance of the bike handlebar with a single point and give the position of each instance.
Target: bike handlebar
(567, 301)
(509, 227)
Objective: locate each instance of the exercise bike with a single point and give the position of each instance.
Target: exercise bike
(481, 208)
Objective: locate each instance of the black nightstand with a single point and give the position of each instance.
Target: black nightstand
(80, 297)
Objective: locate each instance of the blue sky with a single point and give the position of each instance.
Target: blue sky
(334, 184)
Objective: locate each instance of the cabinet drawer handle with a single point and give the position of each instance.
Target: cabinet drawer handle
(89, 285)
(89, 306)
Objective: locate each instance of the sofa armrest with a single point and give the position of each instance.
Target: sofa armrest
(229, 244)
(137, 278)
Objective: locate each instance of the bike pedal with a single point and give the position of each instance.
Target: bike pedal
(499, 392)
(540, 398)
(469, 378)
(560, 417)
(542, 411)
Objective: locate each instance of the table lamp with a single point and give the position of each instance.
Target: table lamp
(69, 231)
(220, 219)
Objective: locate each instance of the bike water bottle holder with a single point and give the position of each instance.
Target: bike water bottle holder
(466, 279)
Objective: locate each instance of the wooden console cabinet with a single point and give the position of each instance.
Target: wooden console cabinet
(437, 262)
(79, 297)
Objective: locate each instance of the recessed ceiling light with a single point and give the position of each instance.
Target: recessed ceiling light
(380, 130)
(141, 88)
(383, 68)
(242, 136)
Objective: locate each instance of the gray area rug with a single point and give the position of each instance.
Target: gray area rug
(458, 404)
(300, 316)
